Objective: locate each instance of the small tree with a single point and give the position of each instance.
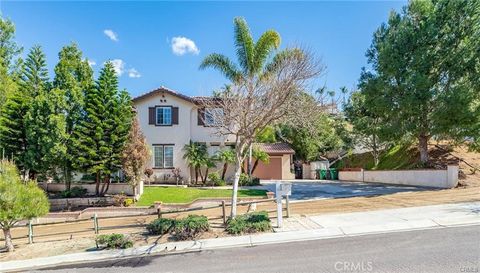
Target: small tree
(135, 155)
(195, 153)
(227, 156)
(259, 156)
(18, 200)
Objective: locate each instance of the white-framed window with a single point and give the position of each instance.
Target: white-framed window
(162, 156)
(213, 116)
(163, 115)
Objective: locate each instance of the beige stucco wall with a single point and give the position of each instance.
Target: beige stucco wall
(427, 178)
(179, 135)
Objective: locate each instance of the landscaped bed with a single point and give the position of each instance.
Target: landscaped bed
(187, 195)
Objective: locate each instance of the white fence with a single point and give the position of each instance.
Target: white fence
(427, 178)
(114, 188)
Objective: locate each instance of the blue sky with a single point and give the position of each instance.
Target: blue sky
(146, 34)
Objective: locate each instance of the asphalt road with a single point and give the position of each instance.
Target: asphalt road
(435, 250)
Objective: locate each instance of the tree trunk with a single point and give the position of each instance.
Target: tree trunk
(375, 152)
(201, 174)
(423, 148)
(106, 185)
(67, 173)
(250, 171)
(225, 166)
(97, 184)
(196, 175)
(255, 166)
(206, 176)
(8, 239)
(238, 170)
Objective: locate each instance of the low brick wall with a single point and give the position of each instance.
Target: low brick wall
(426, 178)
(57, 204)
(114, 188)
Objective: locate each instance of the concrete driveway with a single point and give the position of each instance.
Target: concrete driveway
(327, 189)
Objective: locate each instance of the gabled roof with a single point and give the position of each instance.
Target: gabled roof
(275, 148)
(163, 90)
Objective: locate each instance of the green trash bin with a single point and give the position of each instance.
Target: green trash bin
(323, 174)
(333, 174)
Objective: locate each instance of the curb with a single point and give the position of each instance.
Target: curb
(197, 246)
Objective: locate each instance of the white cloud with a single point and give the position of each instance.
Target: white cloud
(112, 35)
(183, 45)
(91, 63)
(118, 66)
(133, 73)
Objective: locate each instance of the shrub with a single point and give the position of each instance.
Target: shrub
(121, 200)
(74, 192)
(113, 240)
(190, 227)
(128, 202)
(246, 181)
(160, 226)
(215, 179)
(249, 223)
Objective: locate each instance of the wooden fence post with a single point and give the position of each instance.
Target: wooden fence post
(95, 223)
(223, 213)
(288, 207)
(30, 232)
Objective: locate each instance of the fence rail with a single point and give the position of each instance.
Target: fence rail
(97, 226)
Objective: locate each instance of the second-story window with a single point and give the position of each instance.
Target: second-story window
(164, 115)
(213, 116)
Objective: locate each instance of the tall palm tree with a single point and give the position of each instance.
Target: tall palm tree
(195, 153)
(226, 156)
(252, 56)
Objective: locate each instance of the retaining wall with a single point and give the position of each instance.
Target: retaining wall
(114, 188)
(427, 178)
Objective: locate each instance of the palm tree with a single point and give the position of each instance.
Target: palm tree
(256, 62)
(259, 155)
(252, 56)
(195, 153)
(209, 162)
(226, 156)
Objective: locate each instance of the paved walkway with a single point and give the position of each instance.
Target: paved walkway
(390, 219)
(298, 228)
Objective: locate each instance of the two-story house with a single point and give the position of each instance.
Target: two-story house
(170, 120)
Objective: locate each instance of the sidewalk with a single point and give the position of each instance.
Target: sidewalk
(297, 228)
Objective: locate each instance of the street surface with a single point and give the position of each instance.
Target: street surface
(434, 250)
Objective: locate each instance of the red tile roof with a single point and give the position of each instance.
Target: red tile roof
(275, 148)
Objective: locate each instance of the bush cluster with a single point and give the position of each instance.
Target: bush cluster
(246, 181)
(74, 192)
(181, 229)
(160, 226)
(215, 179)
(121, 200)
(114, 241)
(249, 223)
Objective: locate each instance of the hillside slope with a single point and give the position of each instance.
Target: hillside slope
(402, 157)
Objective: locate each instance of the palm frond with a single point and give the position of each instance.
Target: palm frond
(269, 41)
(244, 44)
(223, 64)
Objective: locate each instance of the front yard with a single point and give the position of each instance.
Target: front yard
(187, 195)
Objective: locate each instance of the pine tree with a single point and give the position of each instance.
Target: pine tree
(102, 133)
(74, 76)
(46, 133)
(34, 79)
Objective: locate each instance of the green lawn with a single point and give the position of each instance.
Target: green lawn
(187, 195)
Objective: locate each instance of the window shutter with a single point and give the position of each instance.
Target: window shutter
(151, 115)
(201, 116)
(174, 115)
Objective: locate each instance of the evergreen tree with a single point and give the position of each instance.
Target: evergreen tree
(74, 76)
(102, 132)
(33, 79)
(46, 133)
